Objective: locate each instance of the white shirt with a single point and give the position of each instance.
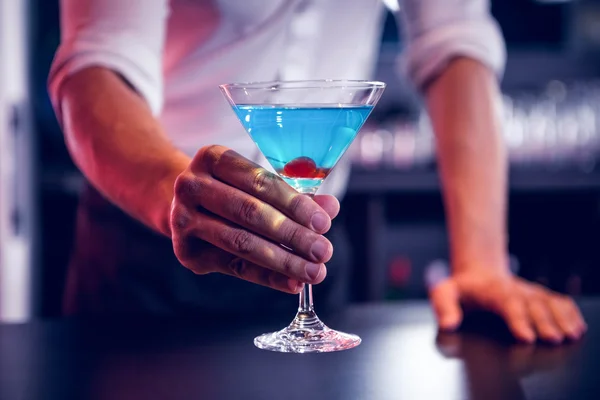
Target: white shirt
(175, 53)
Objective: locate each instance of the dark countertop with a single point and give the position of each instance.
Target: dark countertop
(402, 357)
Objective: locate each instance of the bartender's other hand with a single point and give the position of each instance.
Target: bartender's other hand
(531, 311)
(231, 216)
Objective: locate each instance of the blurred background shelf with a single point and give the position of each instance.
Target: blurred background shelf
(372, 181)
(382, 181)
(398, 228)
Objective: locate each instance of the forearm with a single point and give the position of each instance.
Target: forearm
(472, 163)
(119, 146)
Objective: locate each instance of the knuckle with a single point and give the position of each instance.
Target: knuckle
(182, 248)
(534, 302)
(240, 241)
(238, 267)
(194, 267)
(209, 156)
(210, 152)
(195, 254)
(197, 271)
(569, 302)
(185, 185)
(561, 300)
(181, 220)
(515, 307)
(537, 309)
(296, 203)
(289, 265)
(532, 291)
(293, 236)
(269, 280)
(262, 181)
(250, 211)
(541, 290)
(266, 277)
(181, 185)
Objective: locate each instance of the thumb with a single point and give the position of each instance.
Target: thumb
(445, 300)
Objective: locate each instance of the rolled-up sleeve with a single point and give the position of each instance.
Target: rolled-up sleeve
(439, 30)
(124, 36)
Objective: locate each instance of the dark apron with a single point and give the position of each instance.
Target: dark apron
(118, 266)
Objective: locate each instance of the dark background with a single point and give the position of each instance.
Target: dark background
(398, 228)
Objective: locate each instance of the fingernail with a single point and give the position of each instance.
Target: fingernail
(319, 222)
(573, 334)
(448, 324)
(319, 249)
(313, 271)
(294, 285)
(528, 337)
(576, 332)
(557, 339)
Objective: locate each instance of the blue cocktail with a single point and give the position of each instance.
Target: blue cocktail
(303, 143)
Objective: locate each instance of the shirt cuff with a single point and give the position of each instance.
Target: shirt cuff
(428, 55)
(136, 64)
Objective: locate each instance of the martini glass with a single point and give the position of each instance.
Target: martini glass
(303, 128)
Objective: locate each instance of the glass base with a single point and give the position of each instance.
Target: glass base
(306, 334)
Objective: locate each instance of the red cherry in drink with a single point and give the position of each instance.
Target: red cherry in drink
(301, 167)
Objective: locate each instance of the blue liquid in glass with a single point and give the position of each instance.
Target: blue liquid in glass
(287, 133)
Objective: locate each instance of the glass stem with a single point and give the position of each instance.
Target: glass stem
(306, 298)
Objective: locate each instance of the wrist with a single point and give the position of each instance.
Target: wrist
(478, 243)
(489, 262)
(162, 213)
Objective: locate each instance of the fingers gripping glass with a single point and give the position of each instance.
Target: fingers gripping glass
(303, 128)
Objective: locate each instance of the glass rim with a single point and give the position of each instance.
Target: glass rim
(305, 84)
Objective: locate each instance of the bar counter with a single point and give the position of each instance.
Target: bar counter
(402, 356)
